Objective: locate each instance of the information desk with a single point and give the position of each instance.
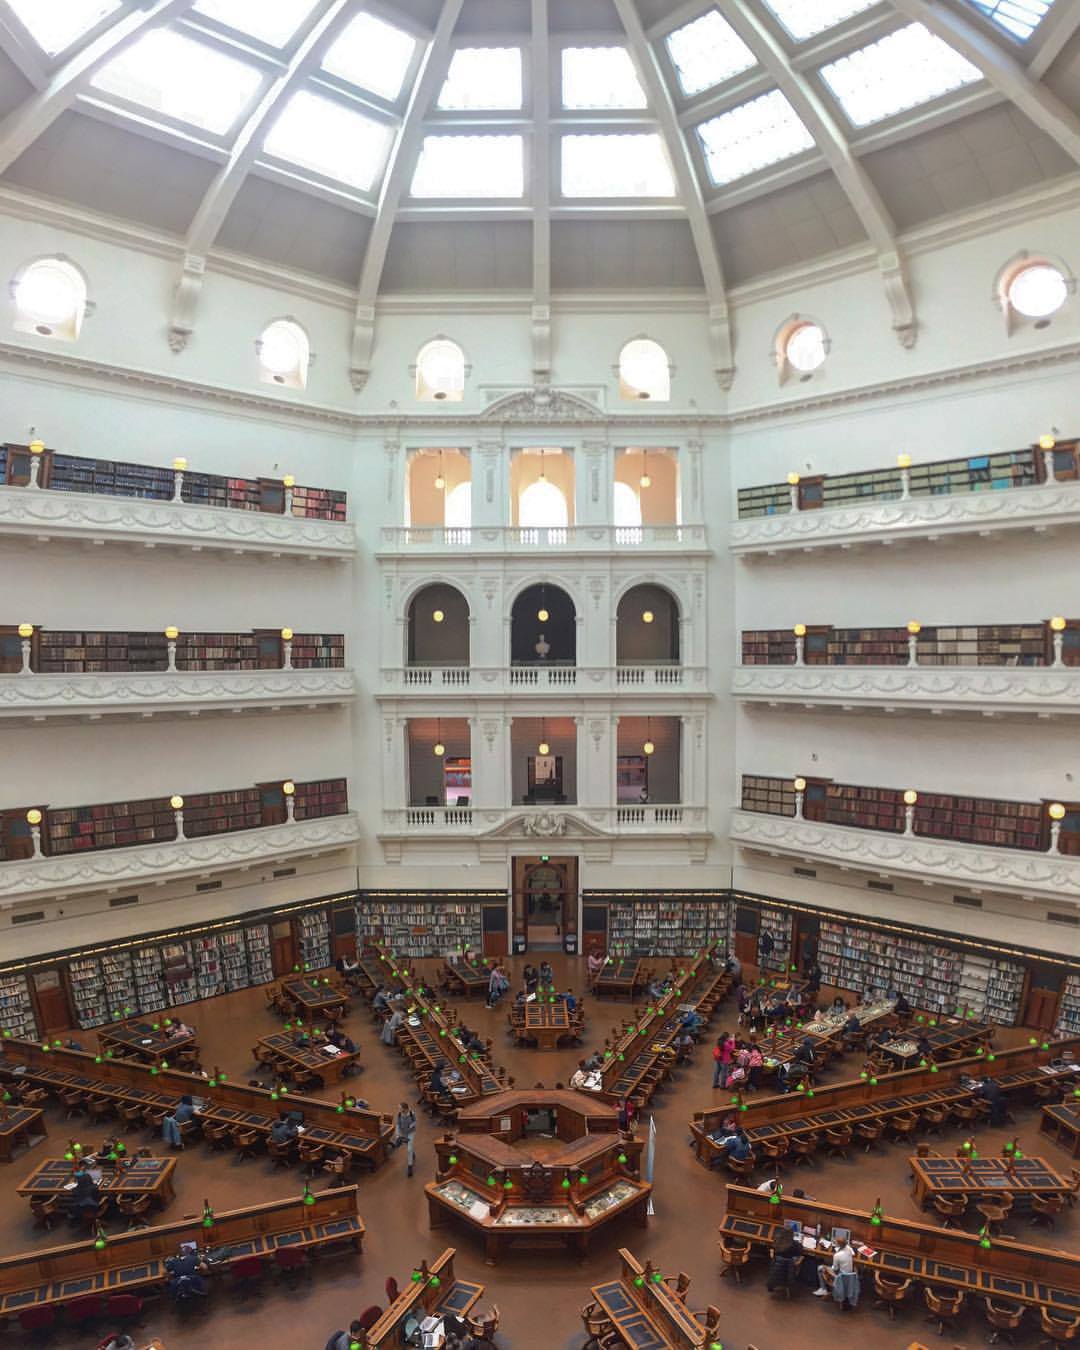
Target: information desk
(969, 1177)
(1062, 1124)
(20, 1127)
(151, 1041)
(647, 1314)
(313, 997)
(134, 1261)
(624, 975)
(132, 1177)
(1039, 1277)
(313, 1058)
(434, 1294)
(545, 1024)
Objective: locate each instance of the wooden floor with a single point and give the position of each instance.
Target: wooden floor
(539, 1295)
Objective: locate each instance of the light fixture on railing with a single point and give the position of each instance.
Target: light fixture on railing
(544, 747)
(286, 648)
(440, 477)
(910, 798)
(650, 745)
(904, 461)
(171, 634)
(914, 628)
(177, 804)
(793, 487)
(289, 789)
(288, 483)
(438, 749)
(1047, 442)
(179, 466)
(800, 643)
(37, 450)
(33, 819)
(1057, 629)
(799, 784)
(645, 481)
(1056, 812)
(26, 633)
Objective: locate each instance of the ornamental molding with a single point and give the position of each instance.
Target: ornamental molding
(1009, 690)
(72, 874)
(1032, 508)
(42, 514)
(191, 691)
(542, 404)
(1045, 876)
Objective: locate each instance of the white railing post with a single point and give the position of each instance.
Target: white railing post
(910, 798)
(1057, 631)
(289, 482)
(37, 449)
(793, 487)
(171, 634)
(289, 789)
(800, 644)
(800, 793)
(286, 648)
(33, 819)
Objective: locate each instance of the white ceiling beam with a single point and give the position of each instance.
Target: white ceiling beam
(23, 53)
(689, 186)
(542, 151)
(322, 31)
(859, 188)
(429, 80)
(1002, 69)
(1052, 36)
(24, 124)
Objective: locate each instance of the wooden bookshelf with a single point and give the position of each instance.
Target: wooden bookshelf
(981, 820)
(328, 797)
(77, 829)
(222, 812)
(415, 926)
(772, 796)
(83, 652)
(1012, 644)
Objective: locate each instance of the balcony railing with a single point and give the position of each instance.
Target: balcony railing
(499, 681)
(524, 539)
(547, 820)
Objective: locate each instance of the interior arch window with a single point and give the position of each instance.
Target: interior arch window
(457, 508)
(543, 506)
(801, 346)
(440, 372)
(644, 371)
(626, 508)
(50, 299)
(284, 354)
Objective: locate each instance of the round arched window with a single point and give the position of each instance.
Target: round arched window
(806, 348)
(644, 371)
(1038, 290)
(50, 298)
(440, 372)
(284, 353)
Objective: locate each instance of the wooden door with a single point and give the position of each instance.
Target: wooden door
(811, 494)
(50, 999)
(1040, 1008)
(746, 935)
(282, 947)
(495, 940)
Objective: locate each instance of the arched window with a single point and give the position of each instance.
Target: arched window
(50, 299)
(284, 354)
(801, 345)
(1031, 290)
(627, 514)
(440, 372)
(457, 509)
(542, 505)
(644, 371)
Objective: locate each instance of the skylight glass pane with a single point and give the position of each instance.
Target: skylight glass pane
(616, 166)
(1019, 17)
(373, 55)
(470, 166)
(752, 136)
(56, 24)
(483, 77)
(181, 78)
(600, 77)
(330, 139)
(707, 52)
(909, 67)
(804, 18)
(270, 21)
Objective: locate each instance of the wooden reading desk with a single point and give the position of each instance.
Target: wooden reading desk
(435, 1041)
(1062, 1124)
(545, 1023)
(132, 1177)
(20, 1126)
(312, 997)
(950, 1034)
(625, 975)
(469, 977)
(331, 1068)
(647, 1314)
(970, 1177)
(434, 1294)
(150, 1041)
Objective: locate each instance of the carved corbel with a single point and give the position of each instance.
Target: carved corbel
(185, 301)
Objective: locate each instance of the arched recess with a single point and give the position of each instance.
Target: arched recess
(647, 627)
(438, 627)
(543, 627)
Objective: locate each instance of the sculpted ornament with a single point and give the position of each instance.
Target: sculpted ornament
(546, 824)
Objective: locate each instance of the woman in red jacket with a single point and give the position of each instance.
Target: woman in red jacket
(723, 1053)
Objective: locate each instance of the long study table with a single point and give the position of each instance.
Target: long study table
(313, 998)
(310, 1058)
(436, 1293)
(20, 1125)
(131, 1178)
(1062, 1124)
(545, 1023)
(970, 1177)
(152, 1041)
(623, 975)
(646, 1313)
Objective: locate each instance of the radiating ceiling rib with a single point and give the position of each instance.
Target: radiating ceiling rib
(833, 144)
(541, 178)
(23, 52)
(429, 79)
(21, 128)
(1054, 35)
(323, 30)
(655, 85)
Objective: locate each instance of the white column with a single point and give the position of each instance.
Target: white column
(593, 476)
(396, 482)
(687, 764)
(395, 758)
(596, 759)
(692, 482)
(489, 616)
(490, 484)
(585, 788)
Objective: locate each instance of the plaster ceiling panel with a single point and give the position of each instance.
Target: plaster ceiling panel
(14, 86)
(422, 12)
(656, 11)
(459, 255)
(632, 255)
(584, 16)
(1063, 76)
(503, 17)
(116, 172)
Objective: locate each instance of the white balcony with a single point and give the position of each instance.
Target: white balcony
(989, 690)
(1044, 876)
(409, 541)
(42, 516)
(501, 681)
(921, 518)
(146, 864)
(187, 693)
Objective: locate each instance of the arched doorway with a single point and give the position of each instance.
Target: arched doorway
(545, 903)
(543, 627)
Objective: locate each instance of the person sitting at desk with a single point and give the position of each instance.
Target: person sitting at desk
(391, 1026)
(381, 1001)
(737, 1145)
(852, 1026)
(805, 1052)
(547, 975)
(845, 1288)
(568, 998)
(341, 1340)
(436, 1084)
(179, 1029)
(655, 989)
(531, 977)
(283, 1131)
(692, 1021)
(186, 1273)
(838, 1004)
(578, 1077)
(468, 1038)
(596, 961)
(992, 1094)
(902, 1007)
(779, 1011)
(755, 1065)
(84, 1196)
(170, 1126)
(785, 1253)
(594, 1061)
(923, 1047)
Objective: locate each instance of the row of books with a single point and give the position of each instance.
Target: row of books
(1068, 1023)
(1023, 644)
(416, 927)
(73, 652)
(16, 1007)
(639, 926)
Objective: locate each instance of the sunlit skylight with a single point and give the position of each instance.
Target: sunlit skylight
(752, 136)
(372, 54)
(182, 78)
(56, 24)
(483, 77)
(600, 77)
(1019, 17)
(330, 139)
(909, 67)
(616, 166)
(470, 166)
(707, 52)
(805, 18)
(270, 21)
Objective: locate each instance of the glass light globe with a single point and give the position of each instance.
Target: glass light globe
(648, 616)
(438, 616)
(543, 615)
(1038, 291)
(47, 293)
(649, 747)
(805, 348)
(438, 749)
(543, 748)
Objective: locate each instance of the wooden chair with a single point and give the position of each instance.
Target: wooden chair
(484, 1325)
(678, 1284)
(1058, 1330)
(837, 1142)
(964, 1113)
(1074, 1188)
(90, 1218)
(217, 1135)
(262, 1054)
(741, 1171)
(1004, 1318)
(890, 1293)
(246, 1142)
(134, 1208)
(950, 1210)
(773, 1152)
(944, 1306)
(311, 1156)
(132, 1114)
(596, 1323)
(307, 1078)
(902, 1127)
(281, 1155)
(1046, 1208)
(73, 1102)
(934, 1119)
(99, 1108)
(995, 1210)
(45, 1208)
(868, 1132)
(802, 1150)
(735, 1254)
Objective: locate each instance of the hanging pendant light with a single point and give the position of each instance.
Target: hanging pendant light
(543, 614)
(543, 748)
(438, 748)
(440, 479)
(645, 481)
(542, 474)
(650, 746)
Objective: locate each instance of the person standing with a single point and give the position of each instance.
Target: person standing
(723, 1053)
(405, 1133)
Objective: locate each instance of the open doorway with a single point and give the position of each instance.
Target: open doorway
(545, 903)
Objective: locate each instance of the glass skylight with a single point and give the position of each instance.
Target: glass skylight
(483, 77)
(470, 166)
(902, 70)
(1019, 17)
(56, 24)
(616, 166)
(183, 79)
(270, 21)
(707, 52)
(330, 139)
(805, 18)
(600, 77)
(752, 136)
(373, 55)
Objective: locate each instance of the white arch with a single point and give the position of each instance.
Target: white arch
(526, 583)
(543, 506)
(457, 507)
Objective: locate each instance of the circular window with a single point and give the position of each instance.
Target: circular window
(440, 371)
(644, 371)
(50, 294)
(283, 349)
(805, 348)
(1037, 291)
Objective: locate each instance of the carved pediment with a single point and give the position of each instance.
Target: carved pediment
(545, 825)
(542, 405)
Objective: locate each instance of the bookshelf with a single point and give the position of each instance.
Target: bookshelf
(772, 500)
(772, 796)
(327, 797)
(221, 812)
(981, 820)
(105, 477)
(81, 652)
(16, 1007)
(991, 988)
(149, 980)
(768, 647)
(319, 503)
(87, 652)
(1068, 1023)
(110, 825)
(415, 927)
(87, 992)
(318, 651)
(315, 939)
(260, 965)
(118, 978)
(209, 974)
(1012, 644)
(871, 963)
(665, 926)
(863, 808)
(178, 972)
(777, 923)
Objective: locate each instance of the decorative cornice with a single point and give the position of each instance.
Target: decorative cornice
(1047, 876)
(75, 873)
(1027, 508)
(975, 689)
(533, 406)
(42, 514)
(135, 692)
